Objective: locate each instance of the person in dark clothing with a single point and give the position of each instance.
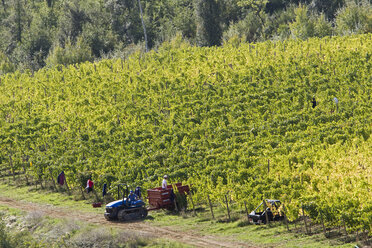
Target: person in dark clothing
(132, 197)
(61, 178)
(137, 192)
(104, 190)
(314, 102)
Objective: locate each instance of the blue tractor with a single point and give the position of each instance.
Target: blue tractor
(126, 209)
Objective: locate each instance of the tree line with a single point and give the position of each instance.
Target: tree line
(39, 33)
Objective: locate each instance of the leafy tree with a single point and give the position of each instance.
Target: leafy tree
(208, 29)
(303, 26)
(257, 6)
(71, 22)
(247, 29)
(328, 8)
(125, 20)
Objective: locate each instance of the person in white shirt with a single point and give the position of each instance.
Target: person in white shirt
(164, 184)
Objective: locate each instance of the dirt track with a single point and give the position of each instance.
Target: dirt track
(138, 227)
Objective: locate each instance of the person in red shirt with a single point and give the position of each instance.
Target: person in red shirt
(89, 187)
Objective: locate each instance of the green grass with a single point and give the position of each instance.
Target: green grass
(44, 230)
(30, 194)
(275, 235)
(10, 210)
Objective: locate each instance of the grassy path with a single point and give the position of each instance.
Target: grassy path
(199, 231)
(141, 227)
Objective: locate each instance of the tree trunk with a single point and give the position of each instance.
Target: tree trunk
(143, 25)
(26, 177)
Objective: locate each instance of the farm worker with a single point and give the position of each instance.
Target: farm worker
(61, 178)
(336, 102)
(137, 192)
(314, 102)
(89, 187)
(132, 197)
(104, 190)
(164, 184)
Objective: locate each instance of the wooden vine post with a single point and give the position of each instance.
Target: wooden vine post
(82, 193)
(286, 218)
(227, 206)
(192, 202)
(304, 217)
(265, 209)
(175, 205)
(246, 210)
(25, 172)
(68, 189)
(343, 222)
(211, 207)
(52, 179)
(11, 166)
(321, 219)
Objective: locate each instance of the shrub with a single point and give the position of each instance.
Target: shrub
(354, 18)
(70, 54)
(5, 65)
(248, 29)
(322, 27)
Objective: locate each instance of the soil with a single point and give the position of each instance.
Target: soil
(139, 227)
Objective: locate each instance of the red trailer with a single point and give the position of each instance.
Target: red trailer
(163, 198)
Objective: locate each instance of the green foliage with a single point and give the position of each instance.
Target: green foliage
(70, 54)
(247, 30)
(4, 237)
(234, 120)
(5, 65)
(354, 18)
(32, 30)
(322, 27)
(208, 30)
(303, 26)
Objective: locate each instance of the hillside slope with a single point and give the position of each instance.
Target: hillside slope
(234, 118)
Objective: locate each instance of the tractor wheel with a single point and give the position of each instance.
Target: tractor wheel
(122, 215)
(108, 218)
(143, 213)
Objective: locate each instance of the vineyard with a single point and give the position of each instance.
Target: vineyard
(238, 120)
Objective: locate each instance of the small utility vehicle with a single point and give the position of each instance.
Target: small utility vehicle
(272, 210)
